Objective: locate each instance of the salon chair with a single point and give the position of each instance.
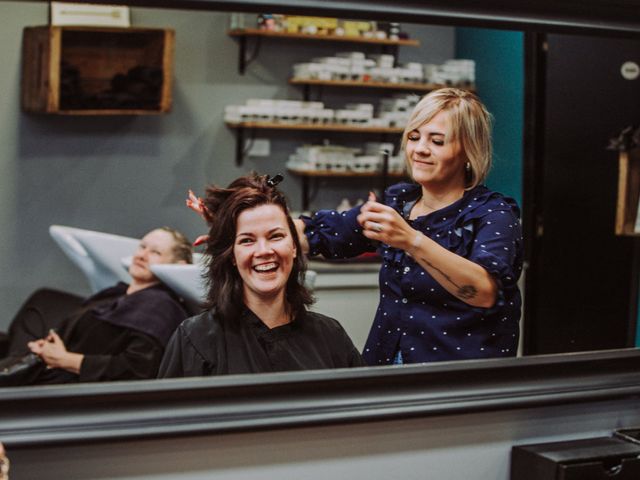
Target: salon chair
(45, 309)
(98, 255)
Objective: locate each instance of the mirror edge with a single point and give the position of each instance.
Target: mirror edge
(159, 408)
(559, 16)
(68, 414)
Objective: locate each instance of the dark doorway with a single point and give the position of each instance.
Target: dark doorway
(581, 284)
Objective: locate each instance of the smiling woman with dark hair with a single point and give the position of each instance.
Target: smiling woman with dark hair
(257, 319)
(249, 198)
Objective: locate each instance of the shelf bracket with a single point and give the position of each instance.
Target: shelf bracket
(239, 146)
(242, 55)
(305, 193)
(243, 60)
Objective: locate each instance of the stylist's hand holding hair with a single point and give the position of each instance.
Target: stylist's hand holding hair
(196, 204)
(462, 278)
(382, 223)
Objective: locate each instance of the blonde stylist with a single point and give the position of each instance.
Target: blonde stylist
(451, 248)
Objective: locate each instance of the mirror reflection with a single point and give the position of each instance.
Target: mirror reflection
(125, 175)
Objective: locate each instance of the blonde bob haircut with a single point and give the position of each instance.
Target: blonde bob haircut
(470, 125)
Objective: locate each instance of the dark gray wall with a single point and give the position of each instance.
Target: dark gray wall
(126, 175)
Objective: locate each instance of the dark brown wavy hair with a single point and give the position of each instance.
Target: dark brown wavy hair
(224, 206)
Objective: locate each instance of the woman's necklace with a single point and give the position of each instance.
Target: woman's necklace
(420, 209)
(425, 208)
(428, 208)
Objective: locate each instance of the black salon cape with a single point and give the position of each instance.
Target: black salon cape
(207, 345)
(121, 336)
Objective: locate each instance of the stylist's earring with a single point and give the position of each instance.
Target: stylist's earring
(467, 167)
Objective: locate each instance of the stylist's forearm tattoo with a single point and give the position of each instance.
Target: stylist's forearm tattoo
(465, 292)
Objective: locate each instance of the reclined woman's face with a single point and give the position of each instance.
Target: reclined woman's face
(263, 251)
(155, 247)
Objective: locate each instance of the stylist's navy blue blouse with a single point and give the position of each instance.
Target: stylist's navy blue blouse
(416, 316)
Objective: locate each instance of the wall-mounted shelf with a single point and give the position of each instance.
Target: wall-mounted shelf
(333, 173)
(422, 87)
(386, 45)
(308, 175)
(254, 32)
(628, 192)
(326, 127)
(244, 33)
(242, 126)
(97, 71)
(413, 87)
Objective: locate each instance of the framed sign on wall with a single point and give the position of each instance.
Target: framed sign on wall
(63, 13)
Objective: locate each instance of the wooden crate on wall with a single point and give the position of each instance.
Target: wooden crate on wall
(97, 71)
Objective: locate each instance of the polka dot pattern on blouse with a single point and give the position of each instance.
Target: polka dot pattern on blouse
(416, 315)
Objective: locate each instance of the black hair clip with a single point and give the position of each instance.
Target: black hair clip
(272, 182)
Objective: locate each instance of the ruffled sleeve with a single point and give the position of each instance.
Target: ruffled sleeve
(498, 244)
(336, 235)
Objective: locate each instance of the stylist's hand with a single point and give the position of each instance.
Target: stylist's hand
(196, 204)
(382, 223)
(54, 353)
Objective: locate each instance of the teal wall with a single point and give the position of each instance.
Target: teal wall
(499, 57)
